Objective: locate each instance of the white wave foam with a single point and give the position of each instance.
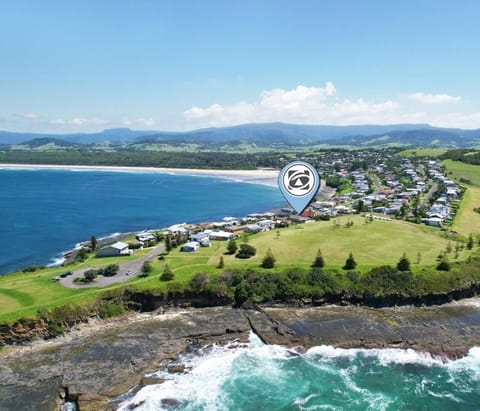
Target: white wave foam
(56, 261)
(203, 385)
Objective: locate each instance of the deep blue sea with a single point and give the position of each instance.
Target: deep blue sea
(45, 212)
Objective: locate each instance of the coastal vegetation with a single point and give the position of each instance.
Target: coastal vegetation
(375, 244)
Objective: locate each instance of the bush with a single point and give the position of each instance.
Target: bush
(350, 263)
(232, 247)
(110, 270)
(269, 260)
(404, 263)
(167, 274)
(199, 281)
(147, 267)
(319, 262)
(246, 251)
(444, 264)
(112, 309)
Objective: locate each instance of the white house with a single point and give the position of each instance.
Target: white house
(145, 237)
(190, 247)
(113, 250)
(221, 235)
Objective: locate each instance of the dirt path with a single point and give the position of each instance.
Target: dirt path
(134, 268)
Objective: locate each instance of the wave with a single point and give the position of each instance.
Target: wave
(267, 377)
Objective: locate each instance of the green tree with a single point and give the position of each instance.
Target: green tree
(350, 263)
(242, 293)
(232, 246)
(147, 267)
(444, 264)
(269, 260)
(168, 243)
(221, 263)
(246, 251)
(404, 263)
(90, 275)
(470, 242)
(93, 243)
(419, 257)
(167, 274)
(319, 262)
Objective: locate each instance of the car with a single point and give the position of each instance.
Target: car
(128, 272)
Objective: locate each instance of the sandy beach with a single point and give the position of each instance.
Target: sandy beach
(259, 176)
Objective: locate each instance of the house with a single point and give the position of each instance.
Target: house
(254, 228)
(200, 237)
(221, 235)
(114, 250)
(433, 221)
(143, 237)
(190, 247)
(177, 229)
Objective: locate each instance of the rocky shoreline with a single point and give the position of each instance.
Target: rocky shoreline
(100, 360)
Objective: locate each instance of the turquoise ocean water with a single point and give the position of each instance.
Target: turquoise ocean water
(263, 377)
(45, 212)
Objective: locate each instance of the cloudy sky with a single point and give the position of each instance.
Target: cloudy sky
(178, 65)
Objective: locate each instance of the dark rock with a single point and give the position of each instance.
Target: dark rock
(176, 369)
(170, 402)
(152, 380)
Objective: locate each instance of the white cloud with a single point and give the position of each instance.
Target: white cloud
(306, 105)
(79, 121)
(30, 116)
(426, 98)
(139, 122)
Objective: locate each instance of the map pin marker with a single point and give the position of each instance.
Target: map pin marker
(298, 181)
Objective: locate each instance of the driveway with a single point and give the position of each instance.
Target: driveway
(134, 266)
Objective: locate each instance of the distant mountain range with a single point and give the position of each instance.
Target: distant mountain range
(270, 134)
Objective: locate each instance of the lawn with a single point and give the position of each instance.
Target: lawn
(466, 221)
(372, 244)
(421, 152)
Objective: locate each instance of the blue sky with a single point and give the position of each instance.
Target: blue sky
(176, 65)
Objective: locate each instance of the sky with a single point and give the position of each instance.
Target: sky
(84, 66)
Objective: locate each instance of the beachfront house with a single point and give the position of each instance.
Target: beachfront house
(114, 250)
(143, 237)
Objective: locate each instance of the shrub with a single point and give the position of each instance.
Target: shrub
(350, 263)
(269, 260)
(232, 247)
(246, 251)
(404, 263)
(167, 274)
(319, 262)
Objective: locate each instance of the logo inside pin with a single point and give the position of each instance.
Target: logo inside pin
(299, 182)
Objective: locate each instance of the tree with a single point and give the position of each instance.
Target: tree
(89, 275)
(444, 264)
(167, 274)
(110, 270)
(470, 241)
(360, 206)
(246, 251)
(242, 293)
(419, 257)
(350, 263)
(404, 263)
(319, 262)
(168, 243)
(147, 267)
(93, 242)
(269, 260)
(221, 263)
(232, 246)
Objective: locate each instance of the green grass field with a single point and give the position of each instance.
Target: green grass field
(467, 221)
(421, 152)
(373, 244)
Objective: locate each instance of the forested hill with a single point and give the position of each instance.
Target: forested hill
(266, 135)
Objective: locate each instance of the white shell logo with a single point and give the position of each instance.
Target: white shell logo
(299, 180)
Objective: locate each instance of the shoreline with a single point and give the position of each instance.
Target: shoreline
(260, 176)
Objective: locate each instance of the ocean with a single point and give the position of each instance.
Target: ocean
(44, 213)
(269, 377)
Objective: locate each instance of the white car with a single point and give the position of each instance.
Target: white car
(128, 272)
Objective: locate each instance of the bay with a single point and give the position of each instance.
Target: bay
(46, 212)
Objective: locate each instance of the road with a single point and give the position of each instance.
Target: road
(135, 266)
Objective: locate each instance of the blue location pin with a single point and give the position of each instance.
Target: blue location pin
(298, 181)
